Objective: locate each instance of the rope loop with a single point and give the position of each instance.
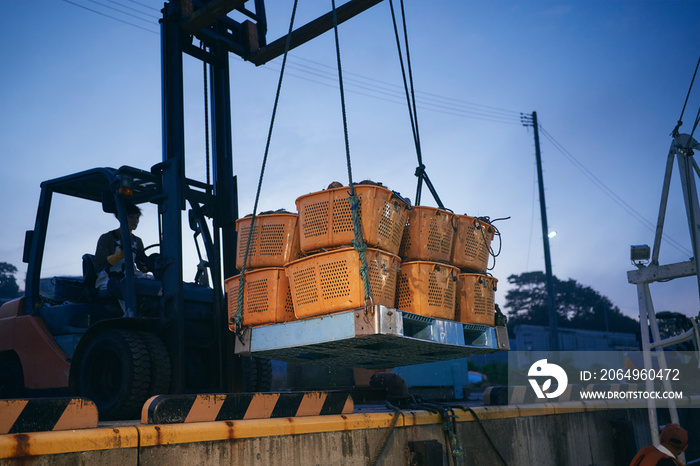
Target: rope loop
(359, 244)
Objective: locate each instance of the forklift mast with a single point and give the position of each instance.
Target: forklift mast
(208, 21)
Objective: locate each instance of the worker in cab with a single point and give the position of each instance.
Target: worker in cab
(109, 256)
(674, 441)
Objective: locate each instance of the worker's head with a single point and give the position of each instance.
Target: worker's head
(133, 214)
(675, 438)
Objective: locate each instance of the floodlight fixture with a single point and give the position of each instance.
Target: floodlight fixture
(640, 253)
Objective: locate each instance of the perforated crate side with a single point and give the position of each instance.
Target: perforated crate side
(326, 218)
(274, 242)
(471, 244)
(302, 282)
(476, 299)
(335, 279)
(427, 288)
(382, 282)
(342, 214)
(314, 219)
(428, 235)
(404, 297)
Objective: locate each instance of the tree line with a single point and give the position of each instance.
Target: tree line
(8, 283)
(577, 306)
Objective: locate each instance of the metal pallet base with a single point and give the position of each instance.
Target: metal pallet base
(377, 338)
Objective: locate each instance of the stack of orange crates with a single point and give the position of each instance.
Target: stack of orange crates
(475, 289)
(327, 280)
(274, 242)
(427, 280)
(444, 261)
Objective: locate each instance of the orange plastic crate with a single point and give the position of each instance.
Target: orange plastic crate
(476, 299)
(274, 243)
(325, 218)
(428, 235)
(330, 281)
(266, 298)
(472, 242)
(427, 288)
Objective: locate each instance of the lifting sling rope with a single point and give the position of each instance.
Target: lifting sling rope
(412, 108)
(675, 133)
(413, 116)
(238, 317)
(357, 242)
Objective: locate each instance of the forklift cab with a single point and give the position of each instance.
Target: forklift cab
(108, 187)
(67, 323)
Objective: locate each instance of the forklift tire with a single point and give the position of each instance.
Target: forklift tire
(257, 374)
(115, 373)
(161, 368)
(11, 379)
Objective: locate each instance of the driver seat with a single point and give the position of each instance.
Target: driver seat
(89, 272)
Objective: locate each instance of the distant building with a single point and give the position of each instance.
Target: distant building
(536, 338)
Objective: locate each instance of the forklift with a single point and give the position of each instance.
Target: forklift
(161, 335)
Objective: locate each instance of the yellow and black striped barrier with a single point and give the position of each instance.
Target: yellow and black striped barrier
(46, 414)
(173, 409)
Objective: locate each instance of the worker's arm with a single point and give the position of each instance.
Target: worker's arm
(104, 253)
(141, 258)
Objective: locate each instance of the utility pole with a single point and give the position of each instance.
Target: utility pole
(531, 120)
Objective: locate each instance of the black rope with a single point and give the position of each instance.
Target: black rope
(410, 79)
(483, 430)
(496, 234)
(695, 126)
(409, 90)
(446, 410)
(392, 426)
(342, 100)
(674, 133)
(358, 242)
(411, 112)
(410, 102)
(238, 317)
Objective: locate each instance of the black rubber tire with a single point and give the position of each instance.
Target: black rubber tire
(264, 382)
(257, 374)
(161, 368)
(115, 373)
(11, 379)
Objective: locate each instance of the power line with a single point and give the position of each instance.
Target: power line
(127, 13)
(144, 5)
(111, 17)
(610, 193)
(398, 89)
(388, 92)
(358, 84)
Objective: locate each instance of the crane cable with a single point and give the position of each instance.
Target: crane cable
(238, 317)
(412, 107)
(358, 242)
(675, 133)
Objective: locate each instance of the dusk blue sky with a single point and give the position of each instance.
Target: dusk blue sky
(80, 88)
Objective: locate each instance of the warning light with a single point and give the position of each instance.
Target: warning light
(126, 183)
(125, 191)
